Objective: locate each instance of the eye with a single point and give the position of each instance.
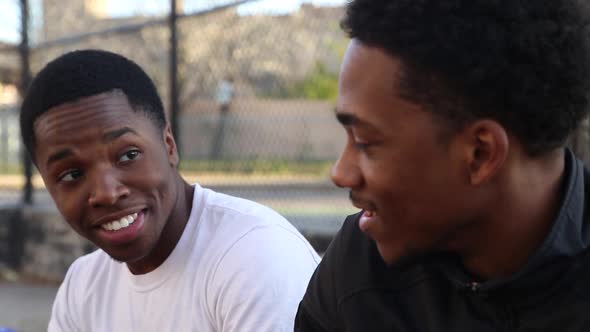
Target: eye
(70, 175)
(361, 146)
(130, 155)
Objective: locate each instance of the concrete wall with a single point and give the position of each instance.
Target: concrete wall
(11, 236)
(265, 129)
(51, 245)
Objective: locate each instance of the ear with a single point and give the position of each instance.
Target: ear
(487, 150)
(170, 145)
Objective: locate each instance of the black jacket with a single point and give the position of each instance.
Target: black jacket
(354, 290)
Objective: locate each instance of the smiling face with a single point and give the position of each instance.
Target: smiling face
(112, 174)
(411, 185)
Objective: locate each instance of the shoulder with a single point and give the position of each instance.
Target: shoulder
(233, 222)
(87, 273)
(350, 265)
(247, 241)
(231, 207)
(250, 232)
(260, 267)
(270, 247)
(350, 250)
(347, 254)
(318, 309)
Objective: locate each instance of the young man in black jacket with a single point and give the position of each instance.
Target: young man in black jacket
(474, 215)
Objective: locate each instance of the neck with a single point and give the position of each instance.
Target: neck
(521, 216)
(171, 233)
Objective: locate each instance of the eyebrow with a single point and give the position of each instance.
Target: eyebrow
(106, 137)
(348, 120)
(112, 135)
(59, 155)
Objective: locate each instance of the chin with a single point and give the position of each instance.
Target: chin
(390, 254)
(121, 258)
(117, 260)
(124, 256)
(398, 255)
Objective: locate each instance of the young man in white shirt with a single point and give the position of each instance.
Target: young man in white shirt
(173, 256)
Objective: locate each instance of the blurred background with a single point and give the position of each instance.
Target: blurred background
(249, 87)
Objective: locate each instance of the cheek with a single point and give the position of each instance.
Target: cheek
(154, 171)
(70, 202)
(148, 178)
(155, 178)
(386, 178)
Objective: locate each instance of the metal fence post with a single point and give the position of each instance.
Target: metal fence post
(24, 84)
(174, 95)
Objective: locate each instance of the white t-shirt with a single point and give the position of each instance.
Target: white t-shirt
(238, 266)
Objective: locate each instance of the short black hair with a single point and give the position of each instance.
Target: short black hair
(85, 73)
(523, 63)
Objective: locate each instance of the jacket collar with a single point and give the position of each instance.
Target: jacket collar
(569, 235)
(568, 238)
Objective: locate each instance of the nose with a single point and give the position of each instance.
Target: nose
(345, 172)
(107, 189)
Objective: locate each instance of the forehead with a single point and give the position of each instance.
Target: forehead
(86, 115)
(369, 87)
(80, 112)
(85, 120)
(369, 68)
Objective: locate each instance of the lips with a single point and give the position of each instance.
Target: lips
(361, 203)
(369, 215)
(367, 219)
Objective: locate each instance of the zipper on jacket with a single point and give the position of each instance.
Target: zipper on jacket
(475, 288)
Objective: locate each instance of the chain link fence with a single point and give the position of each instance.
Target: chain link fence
(255, 95)
(10, 152)
(9, 140)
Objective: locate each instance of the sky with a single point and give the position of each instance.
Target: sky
(9, 11)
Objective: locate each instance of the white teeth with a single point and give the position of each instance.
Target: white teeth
(120, 224)
(116, 226)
